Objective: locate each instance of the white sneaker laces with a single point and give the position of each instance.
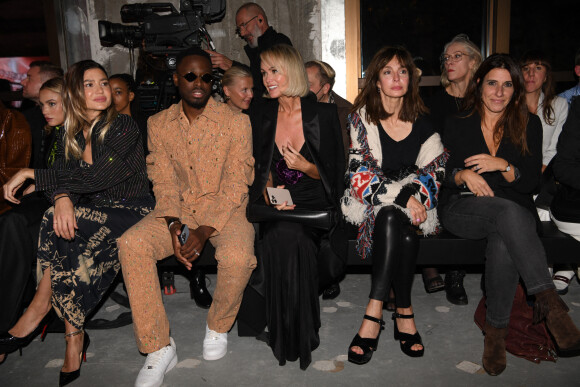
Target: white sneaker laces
(213, 335)
(154, 358)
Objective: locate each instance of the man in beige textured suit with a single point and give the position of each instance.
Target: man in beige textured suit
(201, 165)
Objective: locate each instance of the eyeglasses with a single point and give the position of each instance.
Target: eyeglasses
(191, 77)
(243, 25)
(452, 58)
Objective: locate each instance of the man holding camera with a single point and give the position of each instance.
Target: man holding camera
(252, 26)
(200, 175)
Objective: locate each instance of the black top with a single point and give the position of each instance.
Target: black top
(463, 138)
(118, 172)
(305, 191)
(268, 39)
(323, 139)
(41, 141)
(141, 121)
(400, 155)
(442, 105)
(566, 166)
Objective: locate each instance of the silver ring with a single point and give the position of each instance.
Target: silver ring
(477, 167)
(196, 252)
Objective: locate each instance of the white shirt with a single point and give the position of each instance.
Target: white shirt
(552, 132)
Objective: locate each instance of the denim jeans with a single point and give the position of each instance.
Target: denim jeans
(513, 249)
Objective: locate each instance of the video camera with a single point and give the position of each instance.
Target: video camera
(161, 30)
(162, 33)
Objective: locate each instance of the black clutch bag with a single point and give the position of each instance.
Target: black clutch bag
(257, 213)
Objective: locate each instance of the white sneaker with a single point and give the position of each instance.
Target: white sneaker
(158, 363)
(215, 345)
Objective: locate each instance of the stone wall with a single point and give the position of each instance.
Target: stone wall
(315, 27)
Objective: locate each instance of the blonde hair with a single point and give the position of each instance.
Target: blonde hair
(56, 85)
(74, 103)
(289, 62)
(472, 51)
(233, 73)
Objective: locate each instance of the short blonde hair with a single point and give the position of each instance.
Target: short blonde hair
(234, 73)
(289, 61)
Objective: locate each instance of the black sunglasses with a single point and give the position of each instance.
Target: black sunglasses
(190, 77)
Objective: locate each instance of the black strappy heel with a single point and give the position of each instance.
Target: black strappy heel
(409, 339)
(367, 345)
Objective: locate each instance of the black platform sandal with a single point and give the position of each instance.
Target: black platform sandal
(367, 345)
(409, 340)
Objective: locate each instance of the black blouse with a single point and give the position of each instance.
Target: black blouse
(400, 155)
(463, 138)
(305, 191)
(441, 106)
(118, 172)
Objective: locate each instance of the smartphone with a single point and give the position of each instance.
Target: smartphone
(184, 234)
(279, 196)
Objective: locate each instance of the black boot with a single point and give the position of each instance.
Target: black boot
(454, 287)
(331, 292)
(199, 292)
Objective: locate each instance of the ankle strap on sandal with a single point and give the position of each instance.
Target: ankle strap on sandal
(397, 315)
(379, 321)
(75, 333)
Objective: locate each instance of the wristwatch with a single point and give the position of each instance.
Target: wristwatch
(508, 168)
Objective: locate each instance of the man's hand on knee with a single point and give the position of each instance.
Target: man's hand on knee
(197, 238)
(189, 252)
(175, 231)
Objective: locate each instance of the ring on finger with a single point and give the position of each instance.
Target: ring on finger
(196, 252)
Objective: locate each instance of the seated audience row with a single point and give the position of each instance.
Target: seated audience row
(204, 179)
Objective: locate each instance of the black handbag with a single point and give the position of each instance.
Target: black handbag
(257, 213)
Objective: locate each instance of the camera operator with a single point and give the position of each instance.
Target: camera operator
(252, 26)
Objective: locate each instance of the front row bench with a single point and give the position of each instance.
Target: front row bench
(447, 249)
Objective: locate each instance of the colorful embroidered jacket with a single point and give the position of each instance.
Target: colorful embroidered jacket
(369, 189)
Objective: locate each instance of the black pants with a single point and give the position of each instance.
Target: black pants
(395, 247)
(19, 228)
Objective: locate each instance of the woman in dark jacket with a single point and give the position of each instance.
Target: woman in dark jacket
(99, 188)
(297, 145)
(494, 167)
(565, 208)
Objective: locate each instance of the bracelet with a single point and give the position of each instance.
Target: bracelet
(171, 223)
(60, 197)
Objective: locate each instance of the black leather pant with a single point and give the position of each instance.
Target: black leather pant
(395, 247)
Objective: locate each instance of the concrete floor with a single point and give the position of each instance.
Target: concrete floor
(450, 336)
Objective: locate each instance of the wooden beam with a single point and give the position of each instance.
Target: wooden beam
(502, 26)
(352, 47)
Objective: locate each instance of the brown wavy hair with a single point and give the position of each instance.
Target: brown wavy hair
(549, 87)
(75, 118)
(370, 98)
(514, 119)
